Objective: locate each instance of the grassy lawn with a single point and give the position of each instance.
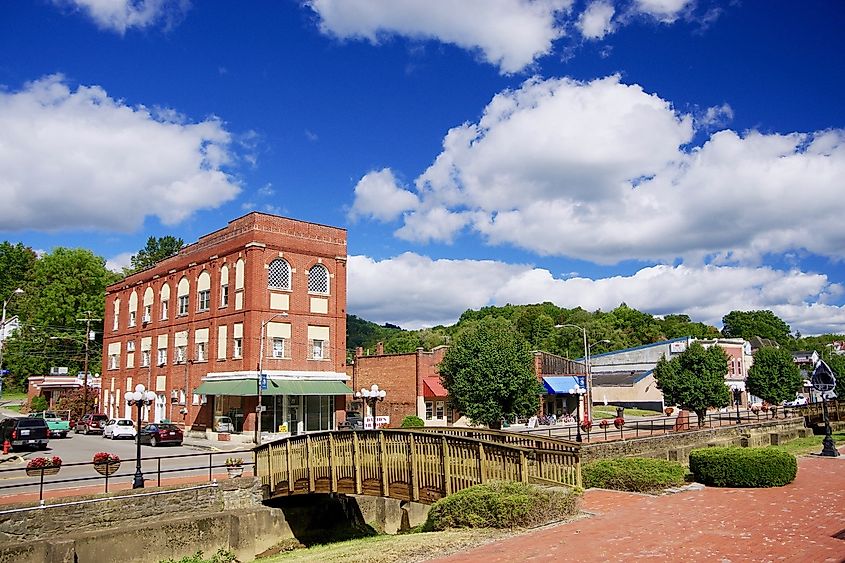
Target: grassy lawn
(14, 396)
(811, 445)
(16, 408)
(601, 411)
(384, 548)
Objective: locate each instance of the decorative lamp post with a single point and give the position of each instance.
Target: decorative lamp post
(18, 291)
(824, 380)
(588, 379)
(372, 396)
(578, 392)
(737, 391)
(140, 398)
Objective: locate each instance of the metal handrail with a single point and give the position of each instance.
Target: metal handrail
(125, 477)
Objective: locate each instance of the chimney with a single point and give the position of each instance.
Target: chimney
(379, 348)
(359, 351)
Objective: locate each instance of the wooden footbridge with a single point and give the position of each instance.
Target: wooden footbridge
(420, 465)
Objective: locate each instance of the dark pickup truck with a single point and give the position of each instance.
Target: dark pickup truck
(25, 432)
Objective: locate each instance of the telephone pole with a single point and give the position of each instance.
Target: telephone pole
(87, 320)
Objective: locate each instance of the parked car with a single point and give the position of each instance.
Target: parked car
(58, 427)
(91, 424)
(119, 428)
(24, 431)
(800, 400)
(160, 433)
(353, 422)
(223, 424)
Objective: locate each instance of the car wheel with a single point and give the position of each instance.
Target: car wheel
(153, 441)
(42, 446)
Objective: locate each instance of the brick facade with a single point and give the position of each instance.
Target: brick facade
(253, 241)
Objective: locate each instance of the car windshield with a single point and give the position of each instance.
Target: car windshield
(124, 423)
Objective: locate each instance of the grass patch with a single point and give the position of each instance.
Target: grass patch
(609, 411)
(501, 504)
(14, 396)
(16, 408)
(811, 445)
(387, 549)
(636, 474)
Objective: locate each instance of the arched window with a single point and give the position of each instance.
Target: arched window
(224, 286)
(148, 305)
(183, 291)
(133, 307)
(278, 274)
(203, 291)
(164, 298)
(318, 279)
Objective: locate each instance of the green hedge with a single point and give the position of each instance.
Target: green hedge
(743, 467)
(412, 421)
(637, 474)
(501, 504)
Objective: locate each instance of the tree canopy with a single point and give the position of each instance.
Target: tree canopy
(774, 377)
(489, 373)
(746, 324)
(156, 250)
(695, 379)
(17, 263)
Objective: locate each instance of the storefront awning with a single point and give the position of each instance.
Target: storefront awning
(560, 385)
(433, 388)
(249, 387)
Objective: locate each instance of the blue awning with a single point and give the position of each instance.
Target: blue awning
(560, 384)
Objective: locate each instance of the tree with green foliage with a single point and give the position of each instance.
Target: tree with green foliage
(746, 324)
(695, 379)
(157, 249)
(17, 263)
(774, 377)
(489, 373)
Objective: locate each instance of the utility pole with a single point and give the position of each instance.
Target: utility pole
(87, 320)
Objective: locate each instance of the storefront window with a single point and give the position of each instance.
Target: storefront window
(319, 413)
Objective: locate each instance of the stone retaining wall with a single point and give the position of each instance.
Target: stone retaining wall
(676, 446)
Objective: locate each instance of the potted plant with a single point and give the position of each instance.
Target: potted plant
(46, 465)
(234, 467)
(669, 411)
(618, 422)
(106, 463)
(586, 424)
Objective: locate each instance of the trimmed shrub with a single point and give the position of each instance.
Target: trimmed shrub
(637, 474)
(412, 421)
(743, 467)
(501, 504)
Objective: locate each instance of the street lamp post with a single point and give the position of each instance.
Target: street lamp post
(17, 291)
(140, 398)
(737, 400)
(578, 392)
(588, 379)
(258, 409)
(372, 396)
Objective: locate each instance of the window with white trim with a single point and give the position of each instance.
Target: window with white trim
(238, 348)
(131, 318)
(162, 356)
(318, 279)
(204, 298)
(114, 361)
(224, 295)
(429, 410)
(439, 411)
(278, 274)
(180, 355)
(130, 346)
(319, 349)
(164, 304)
(184, 301)
(145, 358)
(148, 312)
(280, 347)
(201, 352)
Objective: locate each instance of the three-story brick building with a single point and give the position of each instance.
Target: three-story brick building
(192, 328)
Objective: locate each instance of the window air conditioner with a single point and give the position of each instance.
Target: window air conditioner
(278, 353)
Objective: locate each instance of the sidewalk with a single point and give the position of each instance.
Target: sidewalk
(803, 521)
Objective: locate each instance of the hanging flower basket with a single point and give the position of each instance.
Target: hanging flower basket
(48, 466)
(604, 423)
(669, 411)
(618, 422)
(586, 424)
(106, 463)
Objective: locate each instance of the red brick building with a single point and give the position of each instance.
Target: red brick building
(190, 329)
(411, 381)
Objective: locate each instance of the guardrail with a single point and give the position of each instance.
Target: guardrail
(42, 477)
(660, 426)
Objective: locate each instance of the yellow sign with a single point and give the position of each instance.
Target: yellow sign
(283, 428)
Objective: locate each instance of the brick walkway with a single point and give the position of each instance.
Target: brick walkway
(799, 522)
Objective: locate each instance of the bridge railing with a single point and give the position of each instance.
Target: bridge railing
(404, 464)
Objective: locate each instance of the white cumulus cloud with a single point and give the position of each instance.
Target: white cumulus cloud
(663, 10)
(603, 171)
(510, 34)
(82, 159)
(595, 21)
(379, 196)
(121, 15)
(414, 291)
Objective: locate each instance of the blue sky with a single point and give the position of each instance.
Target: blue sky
(677, 155)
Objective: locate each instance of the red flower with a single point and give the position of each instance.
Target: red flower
(603, 423)
(586, 424)
(618, 422)
(43, 462)
(105, 457)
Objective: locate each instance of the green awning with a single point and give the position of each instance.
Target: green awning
(249, 387)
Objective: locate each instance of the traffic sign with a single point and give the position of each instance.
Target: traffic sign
(4, 372)
(263, 382)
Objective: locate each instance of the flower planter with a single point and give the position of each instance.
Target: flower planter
(235, 471)
(618, 424)
(107, 468)
(668, 411)
(36, 471)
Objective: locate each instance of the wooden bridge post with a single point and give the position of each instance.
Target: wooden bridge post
(357, 462)
(270, 469)
(385, 475)
(482, 464)
(415, 479)
(446, 462)
(290, 469)
(332, 463)
(309, 465)
(523, 467)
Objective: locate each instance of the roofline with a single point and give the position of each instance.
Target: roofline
(642, 347)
